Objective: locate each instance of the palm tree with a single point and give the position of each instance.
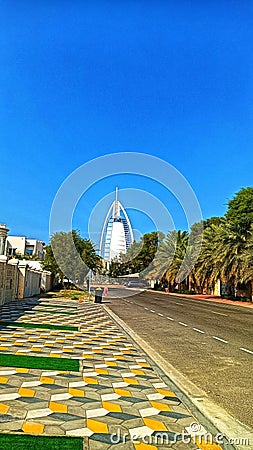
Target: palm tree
(247, 261)
(170, 256)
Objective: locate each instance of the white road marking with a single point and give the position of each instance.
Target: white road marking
(170, 318)
(220, 314)
(219, 339)
(159, 314)
(151, 310)
(198, 330)
(181, 304)
(145, 308)
(184, 324)
(246, 350)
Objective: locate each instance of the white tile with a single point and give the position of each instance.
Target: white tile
(64, 396)
(13, 396)
(160, 385)
(149, 412)
(90, 374)
(140, 432)
(31, 383)
(48, 373)
(128, 375)
(38, 413)
(7, 372)
(82, 432)
(155, 396)
(77, 384)
(121, 384)
(99, 412)
(108, 397)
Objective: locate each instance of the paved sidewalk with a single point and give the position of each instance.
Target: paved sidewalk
(209, 298)
(67, 369)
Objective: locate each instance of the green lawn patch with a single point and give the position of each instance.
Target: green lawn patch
(37, 325)
(30, 442)
(57, 306)
(56, 312)
(39, 362)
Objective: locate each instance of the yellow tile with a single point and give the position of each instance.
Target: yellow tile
(155, 425)
(58, 407)
(3, 380)
(111, 363)
(49, 344)
(125, 352)
(166, 393)
(24, 392)
(97, 427)
(207, 446)
(3, 338)
(90, 380)
(4, 408)
(102, 371)
(3, 348)
(119, 357)
(142, 446)
(18, 344)
(69, 350)
(112, 407)
(138, 372)
(36, 349)
(161, 406)
(143, 364)
(59, 341)
(55, 355)
(97, 351)
(47, 380)
(88, 356)
(21, 370)
(123, 392)
(33, 428)
(130, 381)
(76, 392)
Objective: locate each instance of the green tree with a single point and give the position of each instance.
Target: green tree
(240, 209)
(67, 254)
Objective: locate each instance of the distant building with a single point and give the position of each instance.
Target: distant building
(25, 246)
(117, 233)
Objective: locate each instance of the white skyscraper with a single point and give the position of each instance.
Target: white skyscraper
(117, 233)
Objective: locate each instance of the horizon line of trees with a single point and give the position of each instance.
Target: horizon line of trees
(226, 253)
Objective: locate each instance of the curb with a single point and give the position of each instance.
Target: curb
(210, 299)
(195, 398)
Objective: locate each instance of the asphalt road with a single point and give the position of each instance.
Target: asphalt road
(209, 343)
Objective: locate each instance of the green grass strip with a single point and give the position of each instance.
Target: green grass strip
(57, 306)
(30, 442)
(44, 326)
(39, 362)
(55, 312)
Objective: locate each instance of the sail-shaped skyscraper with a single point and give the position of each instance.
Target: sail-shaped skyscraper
(117, 233)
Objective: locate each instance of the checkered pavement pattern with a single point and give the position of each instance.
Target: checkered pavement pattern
(116, 400)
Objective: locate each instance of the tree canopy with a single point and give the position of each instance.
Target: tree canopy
(71, 256)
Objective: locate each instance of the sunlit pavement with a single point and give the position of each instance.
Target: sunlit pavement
(67, 369)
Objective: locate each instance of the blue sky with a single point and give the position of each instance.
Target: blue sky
(82, 79)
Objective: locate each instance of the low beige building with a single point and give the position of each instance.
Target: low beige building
(25, 246)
